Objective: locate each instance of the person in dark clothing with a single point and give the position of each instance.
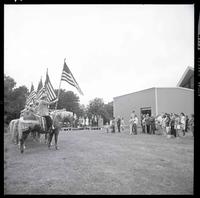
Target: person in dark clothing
(191, 123)
(143, 123)
(113, 126)
(186, 123)
(147, 120)
(152, 125)
(118, 124)
(172, 125)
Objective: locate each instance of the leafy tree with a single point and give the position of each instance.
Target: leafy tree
(18, 100)
(109, 109)
(14, 99)
(82, 112)
(68, 100)
(98, 108)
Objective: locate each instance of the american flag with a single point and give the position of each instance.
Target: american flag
(40, 90)
(68, 77)
(32, 96)
(49, 89)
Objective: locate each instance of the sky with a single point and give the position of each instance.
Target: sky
(111, 50)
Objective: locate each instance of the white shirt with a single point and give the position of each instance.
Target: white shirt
(136, 120)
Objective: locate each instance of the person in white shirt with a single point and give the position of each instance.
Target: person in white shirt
(131, 121)
(122, 124)
(183, 122)
(135, 124)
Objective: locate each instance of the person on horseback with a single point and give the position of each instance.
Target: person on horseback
(43, 110)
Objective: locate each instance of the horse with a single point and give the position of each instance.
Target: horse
(31, 122)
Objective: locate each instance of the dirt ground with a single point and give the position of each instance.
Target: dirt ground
(96, 162)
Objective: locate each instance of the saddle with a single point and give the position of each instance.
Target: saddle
(26, 124)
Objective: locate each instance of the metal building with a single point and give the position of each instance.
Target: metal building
(158, 100)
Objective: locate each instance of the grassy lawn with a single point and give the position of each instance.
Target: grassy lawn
(96, 162)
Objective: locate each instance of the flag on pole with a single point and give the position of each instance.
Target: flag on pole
(68, 77)
(49, 89)
(40, 90)
(32, 96)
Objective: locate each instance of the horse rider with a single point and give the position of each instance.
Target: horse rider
(43, 110)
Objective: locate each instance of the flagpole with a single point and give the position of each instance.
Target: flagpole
(59, 88)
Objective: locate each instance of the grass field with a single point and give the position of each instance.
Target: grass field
(96, 162)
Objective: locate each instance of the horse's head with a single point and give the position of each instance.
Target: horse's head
(28, 114)
(59, 116)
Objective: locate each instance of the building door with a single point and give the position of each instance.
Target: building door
(145, 110)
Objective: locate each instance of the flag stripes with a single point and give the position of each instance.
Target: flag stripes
(40, 92)
(49, 89)
(31, 97)
(68, 77)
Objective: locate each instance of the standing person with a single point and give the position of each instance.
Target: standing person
(118, 124)
(186, 123)
(191, 124)
(43, 110)
(87, 121)
(152, 124)
(131, 121)
(183, 123)
(144, 123)
(107, 127)
(135, 124)
(122, 124)
(167, 124)
(147, 122)
(113, 125)
(177, 125)
(172, 125)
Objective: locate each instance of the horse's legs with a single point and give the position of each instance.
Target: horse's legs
(56, 138)
(46, 138)
(17, 138)
(22, 140)
(50, 138)
(38, 136)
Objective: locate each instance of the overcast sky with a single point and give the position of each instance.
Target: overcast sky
(111, 50)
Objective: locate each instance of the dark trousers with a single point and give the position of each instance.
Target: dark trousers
(173, 131)
(148, 129)
(143, 128)
(152, 128)
(48, 122)
(118, 127)
(134, 129)
(113, 128)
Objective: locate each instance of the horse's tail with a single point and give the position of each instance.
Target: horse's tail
(15, 129)
(11, 128)
(19, 129)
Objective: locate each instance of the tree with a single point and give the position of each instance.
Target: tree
(14, 99)
(9, 84)
(82, 112)
(96, 106)
(68, 100)
(18, 98)
(109, 109)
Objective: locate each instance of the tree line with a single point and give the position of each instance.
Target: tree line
(15, 100)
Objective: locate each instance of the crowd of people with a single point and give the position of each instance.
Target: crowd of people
(169, 124)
